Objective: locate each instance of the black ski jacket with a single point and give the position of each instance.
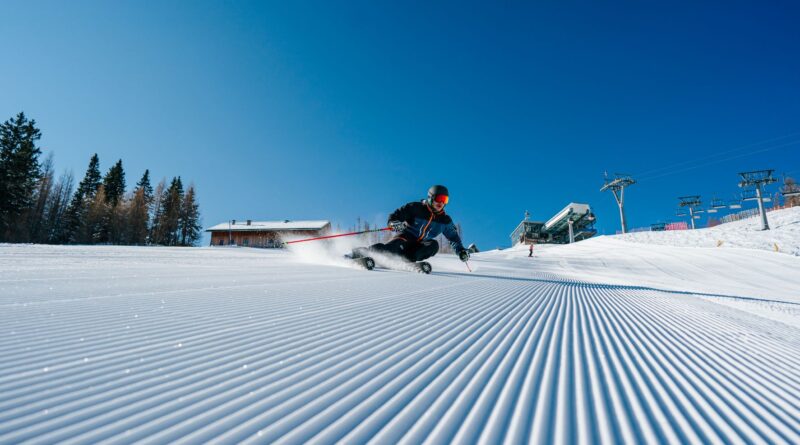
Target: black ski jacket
(424, 224)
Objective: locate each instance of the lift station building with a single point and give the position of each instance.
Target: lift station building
(574, 222)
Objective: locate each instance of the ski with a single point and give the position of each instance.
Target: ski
(360, 257)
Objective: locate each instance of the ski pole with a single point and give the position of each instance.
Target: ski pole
(337, 236)
(468, 268)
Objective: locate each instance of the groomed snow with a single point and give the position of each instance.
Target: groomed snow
(601, 341)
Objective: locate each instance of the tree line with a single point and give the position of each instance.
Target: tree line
(37, 207)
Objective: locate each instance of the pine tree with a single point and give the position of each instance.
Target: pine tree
(114, 187)
(171, 203)
(138, 224)
(189, 221)
(76, 231)
(114, 183)
(144, 185)
(19, 171)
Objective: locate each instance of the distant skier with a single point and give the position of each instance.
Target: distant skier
(530, 251)
(416, 224)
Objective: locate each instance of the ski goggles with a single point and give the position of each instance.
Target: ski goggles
(442, 199)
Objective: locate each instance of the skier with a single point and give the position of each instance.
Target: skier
(416, 224)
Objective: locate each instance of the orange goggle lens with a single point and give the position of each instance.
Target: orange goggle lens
(441, 199)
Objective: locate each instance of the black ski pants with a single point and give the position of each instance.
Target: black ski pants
(410, 250)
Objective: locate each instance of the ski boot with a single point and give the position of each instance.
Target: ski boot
(423, 267)
(360, 256)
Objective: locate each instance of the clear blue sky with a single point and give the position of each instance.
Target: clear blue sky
(339, 110)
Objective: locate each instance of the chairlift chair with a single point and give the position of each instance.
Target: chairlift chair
(717, 204)
(749, 195)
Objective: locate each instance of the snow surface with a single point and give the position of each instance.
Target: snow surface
(605, 340)
(783, 236)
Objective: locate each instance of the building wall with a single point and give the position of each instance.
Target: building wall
(265, 238)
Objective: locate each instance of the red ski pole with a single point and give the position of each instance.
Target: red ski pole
(337, 236)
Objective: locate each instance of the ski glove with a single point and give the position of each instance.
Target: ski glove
(398, 226)
(463, 255)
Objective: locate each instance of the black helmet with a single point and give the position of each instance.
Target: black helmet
(437, 190)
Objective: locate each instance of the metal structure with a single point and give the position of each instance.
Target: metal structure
(715, 205)
(692, 203)
(758, 179)
(575, 218)
(617, 187)
(574, 222)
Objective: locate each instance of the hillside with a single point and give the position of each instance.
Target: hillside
(783, 236)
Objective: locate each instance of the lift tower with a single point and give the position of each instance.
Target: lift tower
(756, 179)
(617, 187)
(692, 202)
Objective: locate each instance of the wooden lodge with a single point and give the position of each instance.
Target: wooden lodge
(268, 234)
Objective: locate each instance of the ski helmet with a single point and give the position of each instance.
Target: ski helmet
(435, 191)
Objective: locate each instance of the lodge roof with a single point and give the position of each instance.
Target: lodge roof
(273, 226)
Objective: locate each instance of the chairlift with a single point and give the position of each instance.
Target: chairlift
(697, 217)
(790, 194)
(680, 213)
(712, 210)
(749, 195)
(717, 204)
(735, 205)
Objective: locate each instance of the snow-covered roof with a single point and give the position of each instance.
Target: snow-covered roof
(572, 208)
(285, 225)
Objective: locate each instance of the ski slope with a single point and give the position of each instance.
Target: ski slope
(783, 236)
(603, 341)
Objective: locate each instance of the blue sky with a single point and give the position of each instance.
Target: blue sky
(326, 110)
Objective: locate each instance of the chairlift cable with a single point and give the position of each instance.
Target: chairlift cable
(639, 179)
(745, 147)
